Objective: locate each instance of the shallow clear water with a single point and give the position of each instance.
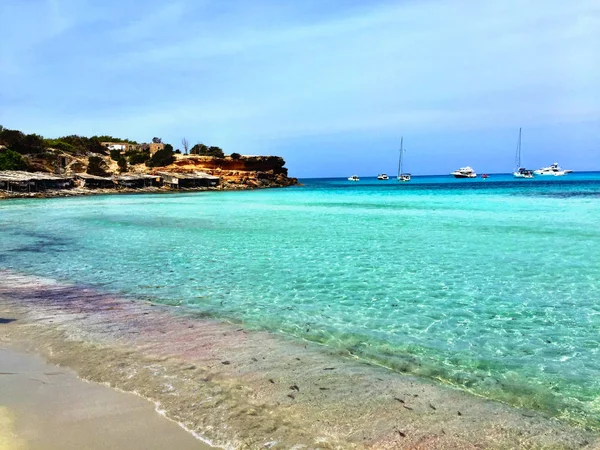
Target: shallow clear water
(493, 286)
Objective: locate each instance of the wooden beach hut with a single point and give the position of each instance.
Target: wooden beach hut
(20, 181)
(190, 180)
(94, 181)
(138, 180)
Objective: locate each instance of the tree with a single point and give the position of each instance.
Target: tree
(186, 145)
(11, 160)
(169, 147)
(96, 166)
(59, 145)
(137, 157)
(161, 158)
(235, 156)
(199, 149)
(203, 150)
(122, 163)
(156, 140)
(216, 152)
(13, 139)
(106, 138)
(115, 155)
(178, 152)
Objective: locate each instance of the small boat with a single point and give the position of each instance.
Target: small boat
(553, 170)
(464, 172)
(404, 177)
(520, 172)
(353, 178)
(485, 176)
(383, 176)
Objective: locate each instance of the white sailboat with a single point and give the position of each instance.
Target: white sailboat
(520, 172)
(402, 176)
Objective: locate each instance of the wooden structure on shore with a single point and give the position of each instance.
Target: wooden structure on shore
(188, 180)
(20, 181)
(23, 182)
(138, 180)
(94, 181)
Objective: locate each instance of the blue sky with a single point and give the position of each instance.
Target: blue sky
(330, 86)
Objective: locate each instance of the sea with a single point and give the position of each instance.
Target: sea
(491, 286)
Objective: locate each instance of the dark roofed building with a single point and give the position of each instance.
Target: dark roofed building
(188, 180)
(20, 181)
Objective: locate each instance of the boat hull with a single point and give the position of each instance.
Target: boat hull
(460, 175)
(521, 175)
(550, 174)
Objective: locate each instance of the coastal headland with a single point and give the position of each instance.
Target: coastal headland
(240, 388)
(32, 166)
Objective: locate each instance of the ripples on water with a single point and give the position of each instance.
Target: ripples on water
(489, 285)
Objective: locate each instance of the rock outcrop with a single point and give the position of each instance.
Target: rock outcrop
(243, 172)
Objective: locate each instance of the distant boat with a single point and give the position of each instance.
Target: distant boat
(383, 176)
(402, 176)
(520, 172)
(485, 176)
(553, 170)
(353, 178)
(464, 172)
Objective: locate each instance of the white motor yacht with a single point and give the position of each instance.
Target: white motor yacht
(383, 176)
(464, 172)
(353, 178)
(553, 170)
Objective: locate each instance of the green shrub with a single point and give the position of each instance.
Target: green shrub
(11, 160)
(137, 157)
(96, 166)
(161, 158)
(235, 156)
(115, 155)
(122, 163)
(203, 150)
(59, 145)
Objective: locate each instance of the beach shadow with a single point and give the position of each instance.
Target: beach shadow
(2, 320)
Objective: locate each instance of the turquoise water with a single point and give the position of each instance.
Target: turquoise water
(492, 286)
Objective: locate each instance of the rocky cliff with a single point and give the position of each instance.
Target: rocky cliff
(244, 172)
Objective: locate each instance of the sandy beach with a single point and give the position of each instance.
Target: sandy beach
(247, 389)
(43, 406)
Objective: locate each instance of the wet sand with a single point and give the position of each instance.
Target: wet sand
(250, 389)
(44, 406)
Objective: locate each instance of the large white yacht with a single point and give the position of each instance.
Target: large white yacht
(464, 172)
(553, 170)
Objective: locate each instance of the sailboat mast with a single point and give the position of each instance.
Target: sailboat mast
(400, 158)
(518, 158)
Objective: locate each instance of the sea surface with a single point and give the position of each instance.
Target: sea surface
(492, 286)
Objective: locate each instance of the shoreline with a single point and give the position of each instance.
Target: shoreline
(253, 388)
(39, 398)
(83, 192)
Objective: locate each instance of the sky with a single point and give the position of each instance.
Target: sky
(330, 86)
